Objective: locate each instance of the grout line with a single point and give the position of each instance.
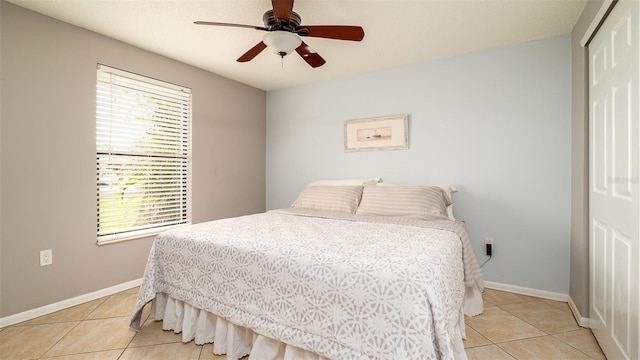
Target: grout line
(525, 321)
(61, 337)
(589, 356)
(507, 351)
(533, 337)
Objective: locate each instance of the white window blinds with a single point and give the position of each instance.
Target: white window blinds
(143, 155)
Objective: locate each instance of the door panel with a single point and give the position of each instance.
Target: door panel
(599, 146)
(621, 295)
(614, 197)
(622, 127)
(599, 280)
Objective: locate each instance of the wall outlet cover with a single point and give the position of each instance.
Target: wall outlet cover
(46, 257)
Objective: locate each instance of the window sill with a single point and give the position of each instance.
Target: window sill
(113, 239)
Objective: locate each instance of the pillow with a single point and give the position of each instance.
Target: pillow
(417, 202)
(447, 188)
(346, 182)
(329, 198)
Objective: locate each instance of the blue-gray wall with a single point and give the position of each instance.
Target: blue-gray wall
(496, 124)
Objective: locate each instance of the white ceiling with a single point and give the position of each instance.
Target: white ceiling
(397, 32)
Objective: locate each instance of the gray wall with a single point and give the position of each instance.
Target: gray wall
(48, 156)
(495, 123)
(579, 289)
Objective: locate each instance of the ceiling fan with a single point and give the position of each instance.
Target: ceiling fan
(283, 28)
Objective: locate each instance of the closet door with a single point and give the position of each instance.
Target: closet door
(614, 132)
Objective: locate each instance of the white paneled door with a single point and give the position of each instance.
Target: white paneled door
(614, 130)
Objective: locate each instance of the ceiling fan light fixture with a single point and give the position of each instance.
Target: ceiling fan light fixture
(282, 42)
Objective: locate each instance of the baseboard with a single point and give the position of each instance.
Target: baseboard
(527, 291)
(582, 321)
(64, 304)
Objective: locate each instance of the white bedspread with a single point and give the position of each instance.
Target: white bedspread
(342, 288)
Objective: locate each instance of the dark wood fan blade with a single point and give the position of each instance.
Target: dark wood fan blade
(229, 24)
(282, 9)
(253, 52)
(338, 32)
(309, 55)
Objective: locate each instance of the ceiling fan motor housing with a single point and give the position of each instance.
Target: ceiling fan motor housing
(271, 23)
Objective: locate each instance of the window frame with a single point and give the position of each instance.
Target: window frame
(177, 157)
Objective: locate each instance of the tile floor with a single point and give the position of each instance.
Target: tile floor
(511, 327)
(522, 327)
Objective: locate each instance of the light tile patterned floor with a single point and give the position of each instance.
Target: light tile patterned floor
(522, 327)
(512, 327)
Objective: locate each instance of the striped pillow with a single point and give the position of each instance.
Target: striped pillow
(329, 198)
(417, 202)
(447, 188)
(347, 182)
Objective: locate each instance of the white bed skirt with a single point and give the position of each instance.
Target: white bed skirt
(237, 341)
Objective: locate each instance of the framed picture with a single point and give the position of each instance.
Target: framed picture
(381, 133)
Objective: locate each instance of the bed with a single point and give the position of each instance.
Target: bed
(348, 272)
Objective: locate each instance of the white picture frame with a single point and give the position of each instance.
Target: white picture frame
(379, 133)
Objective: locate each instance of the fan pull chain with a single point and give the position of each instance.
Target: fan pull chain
(282, 54)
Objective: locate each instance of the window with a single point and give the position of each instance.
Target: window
(143, 155)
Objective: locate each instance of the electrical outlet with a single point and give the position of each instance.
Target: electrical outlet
(46, 257)
(488, 244)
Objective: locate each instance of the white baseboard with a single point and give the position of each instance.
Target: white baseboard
(64, 304)
(527, 291)
(582, 321)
